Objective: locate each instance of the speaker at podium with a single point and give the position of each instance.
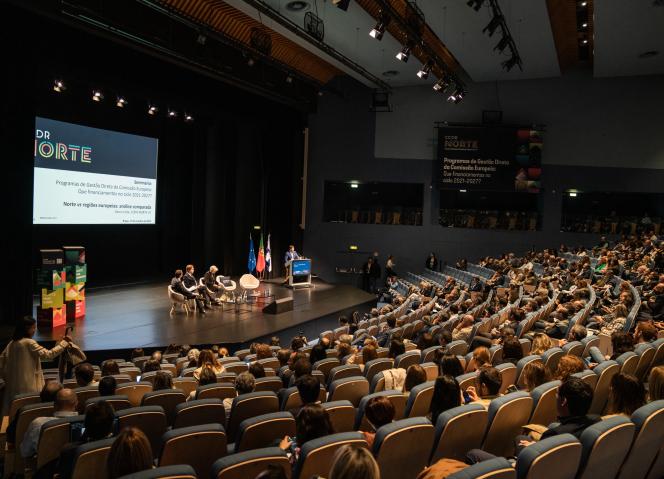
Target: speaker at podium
(278, 306)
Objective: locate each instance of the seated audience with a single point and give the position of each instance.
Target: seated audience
(656, 384)
(109, 368)
(353, 462)
(626, 395)
(568, 365)
(64, 406)
(309, 389)
(312, 422)
(446, 395)
(415, 374)
(378, 411)
(151, 365)
(481, 358)
(487, 386)
(257, 370)
(85, 375)
(107, 386)
(535, 374)
(130, 452)
(541, 343)
(244, 384)
(206, 359)
(206, 377)
(512, 351)
(162, 380)
(450, 366)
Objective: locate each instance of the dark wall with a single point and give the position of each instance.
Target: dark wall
(215, 175)
(342, 148)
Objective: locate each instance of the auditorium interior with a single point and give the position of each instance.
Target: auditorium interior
(344, 239)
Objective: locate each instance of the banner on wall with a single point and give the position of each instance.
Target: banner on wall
(497, 158)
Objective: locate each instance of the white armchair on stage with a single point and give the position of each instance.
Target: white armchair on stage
(248, 283)
(229, 286)
(177, 298)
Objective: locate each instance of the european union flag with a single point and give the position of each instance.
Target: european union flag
(251, 264)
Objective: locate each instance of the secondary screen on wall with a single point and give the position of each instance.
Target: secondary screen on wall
(85, 175)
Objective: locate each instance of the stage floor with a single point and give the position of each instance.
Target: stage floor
(138, 316)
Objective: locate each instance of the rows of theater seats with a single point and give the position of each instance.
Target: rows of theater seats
(199, 433)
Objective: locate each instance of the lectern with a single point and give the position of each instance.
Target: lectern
(299, 273)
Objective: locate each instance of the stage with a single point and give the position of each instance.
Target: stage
(126, 317)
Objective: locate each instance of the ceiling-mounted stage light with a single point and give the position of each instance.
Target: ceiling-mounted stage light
(493, 25)
(188, 118)
(513, 61)
(476, 4)
(152, 110)
(382, 23)
(503, 43)
(457, 96)
(404, 54)
(97, 95)
(441, 85)
(172, 114)
(341, 4)
(59, 86)
(120, 102)
(289, 79)
(425, 70)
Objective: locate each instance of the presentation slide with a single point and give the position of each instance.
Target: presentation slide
(87, 175)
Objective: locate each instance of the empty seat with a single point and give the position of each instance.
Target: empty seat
(588, 377)
(216, 390)
(25, 415)
(551, 358)
(272, 363)
(575, 348)
(316, 455)
(466, 380)
(375, 366)
(605, 373)
(605, 446)
(556, 456)
(628, 362)
(134, 391)
(521, 365)
(342, 415)
(262, 431)
(508, 376)
(544, 403)
(85, 393)
(352, 389)
(407, 359)
(457, 348)
(419, 400)
(180, 471)
(646, 354)
(236, 368)
(186, 385)
(118, 402)
(250, 405)
(402, 447)
(202, 411)
(149, 376)
(648, 439)
(149, 419)
(589, 342)
(21, 400)
(496, 468)
(326, 365)
(343, 371)
(249, 464)
(431, 370)
(271, 383)
(197, 446)
(458, 430)
(90, 459)
(429, 354)
(397, 399)
(507, 415)
(168, 399)
(52, 437)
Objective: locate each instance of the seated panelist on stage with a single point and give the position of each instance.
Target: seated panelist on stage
(191, 283)
(179, 287)
(290, 255)
(210, 279)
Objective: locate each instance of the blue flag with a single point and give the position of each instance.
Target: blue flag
(251, 264)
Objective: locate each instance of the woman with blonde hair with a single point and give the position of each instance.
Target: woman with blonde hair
(353, 462)
(535, 374)
(541, 343)
(656, 384)
(206, 359)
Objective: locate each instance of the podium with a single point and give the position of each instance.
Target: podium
(299, 273)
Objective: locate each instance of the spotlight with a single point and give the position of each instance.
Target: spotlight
(476, 4)
(503, 43)
(512, 62)
(152, 110)
(97, 95)
(457, 96)
(289, 78)
(441, 85)
(59, 86)
(423, 74)
(493, 25)
(341, 4)
(172, 114)
(251, 62)
(585, 41)
(378, 31)
(201, 39)
(404, 54)
(188, 118)
(583, 4)
(584, 25)
(121, 102)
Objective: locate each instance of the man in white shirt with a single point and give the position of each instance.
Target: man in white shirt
(64, 406)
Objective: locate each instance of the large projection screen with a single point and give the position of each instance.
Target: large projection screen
(85, 175)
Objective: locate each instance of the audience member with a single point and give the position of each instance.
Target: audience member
(309, 389)
(415, 374)
(244, 384)
(64, 406)
(257, 370)
(446, 395)
(378, 411)
(568, 365)
(487, 386)
(206, 359)
(450, 366)
(107, 386)
(312, 422)
(206, 377)
(130, 452)
(535, 373)
(626, 395)
(162, 380)
(353, 462)
(109, 368)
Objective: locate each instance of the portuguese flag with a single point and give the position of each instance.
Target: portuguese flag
(260, 263)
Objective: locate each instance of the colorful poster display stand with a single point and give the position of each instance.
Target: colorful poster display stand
(61, 280)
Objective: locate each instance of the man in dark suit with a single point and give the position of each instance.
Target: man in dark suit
(191, 283)
(179, 287)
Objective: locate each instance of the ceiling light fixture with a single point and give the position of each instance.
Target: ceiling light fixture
(188, 118)
(152, 110)
(476, 4)
(59, 86)
(511, 63)
(382, 23)
(503, 43)
(493, 25)
(121, 102)
(423, 74)
(457, 96)
(442, 85)
(404, 54)
(97, 95)
(172, 114)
